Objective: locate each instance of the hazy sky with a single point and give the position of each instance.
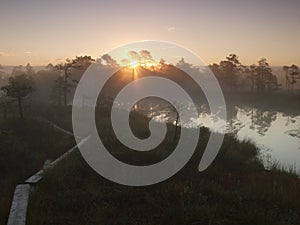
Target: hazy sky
(40, 31)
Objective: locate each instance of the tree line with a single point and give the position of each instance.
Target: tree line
(22, 82)
(63, 78)
(230, 72)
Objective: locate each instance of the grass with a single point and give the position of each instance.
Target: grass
(235, 189)
(24, 147)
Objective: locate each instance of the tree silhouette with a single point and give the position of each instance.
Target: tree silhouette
(29, 70)
(231, 69)
(58, 90)
(18, 87)
(162, 64)
(252, 77)
(18, 70)
(108, 61)
(2, 73)
(263, 76)
(228, 72)
(293, 72)
(287, 77)
(81, 62)
(261, 120)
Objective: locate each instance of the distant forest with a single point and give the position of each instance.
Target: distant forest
(55, 84)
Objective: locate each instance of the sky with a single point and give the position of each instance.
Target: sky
(41, 32)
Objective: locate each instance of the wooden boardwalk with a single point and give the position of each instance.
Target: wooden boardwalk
(18, 210)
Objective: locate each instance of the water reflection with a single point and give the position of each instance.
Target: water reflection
(274, 132)
(277, 134)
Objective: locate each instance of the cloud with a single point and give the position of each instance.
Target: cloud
(30, 53)
(171, 28)
(5, 54)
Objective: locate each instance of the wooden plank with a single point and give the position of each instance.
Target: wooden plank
(52, 164)
(35, 178)
(62, 130)
(18, 210)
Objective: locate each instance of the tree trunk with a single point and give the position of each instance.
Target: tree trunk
(65, 86)
(287, 81)
(20, 107)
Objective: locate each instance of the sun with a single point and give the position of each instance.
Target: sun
(134, 64)
(144, 64)
(150, 64)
